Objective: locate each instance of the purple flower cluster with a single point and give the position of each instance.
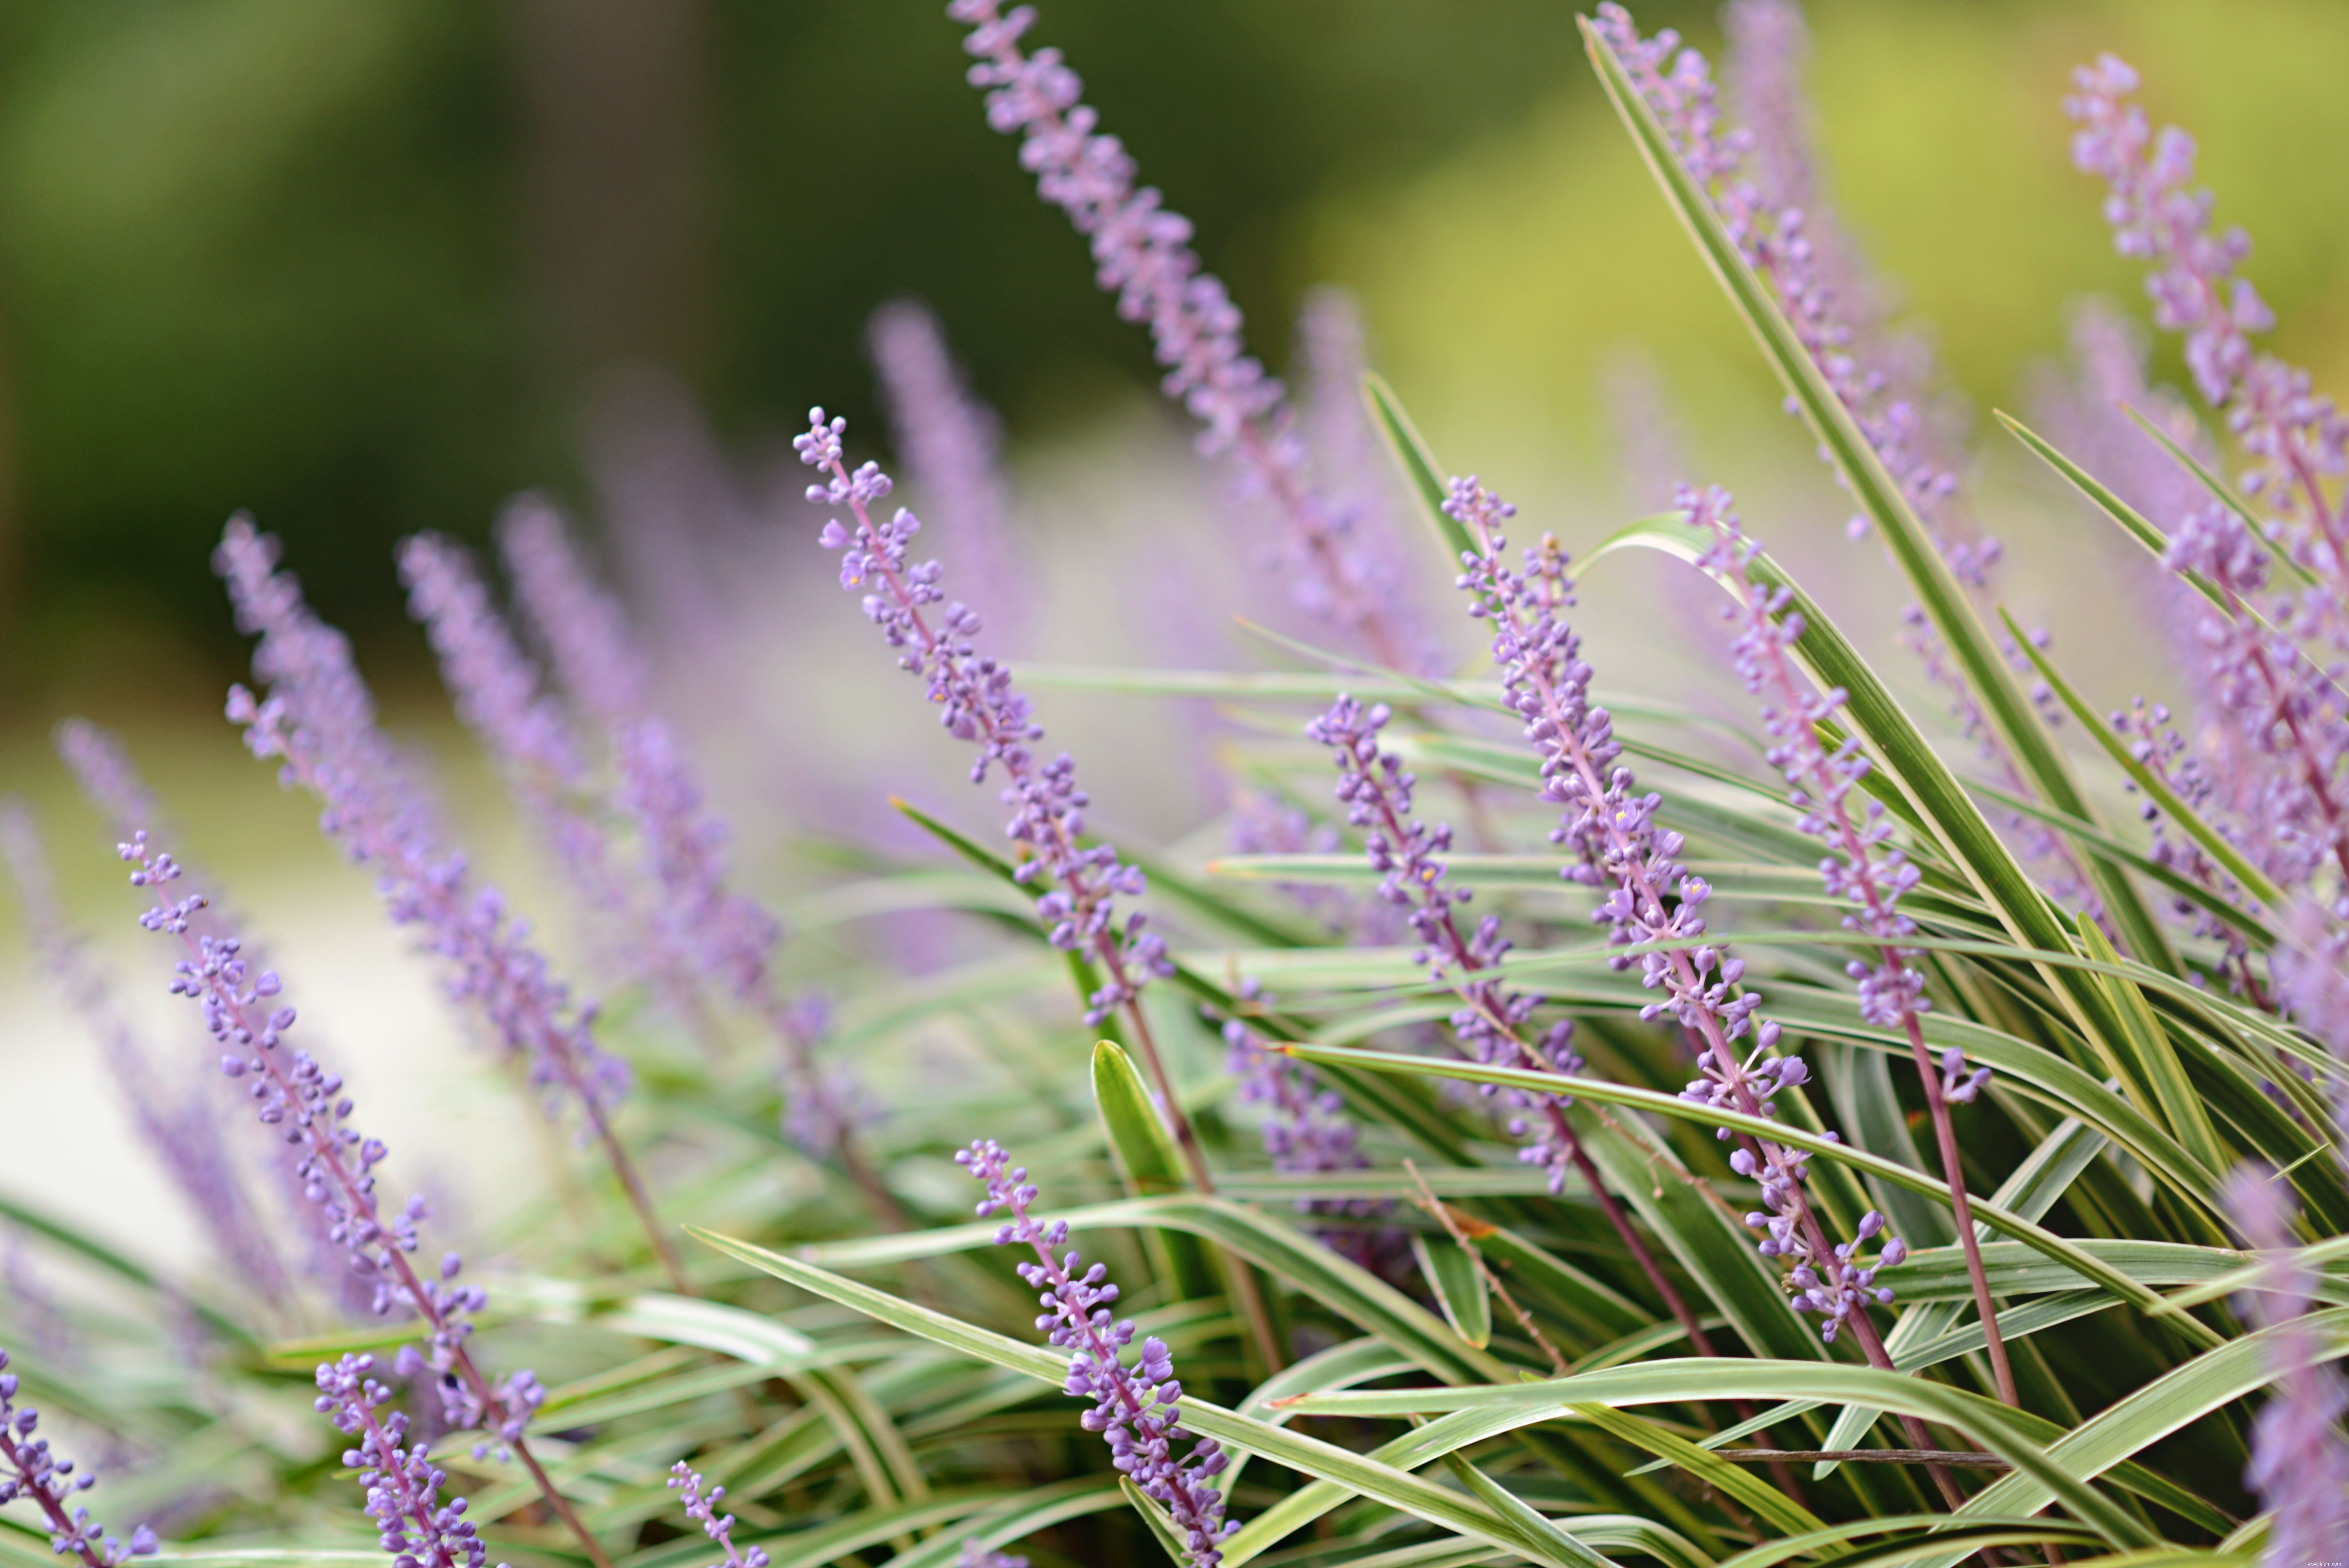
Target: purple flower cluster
(951, 444)
(1307, 1130)
(2297, 439)
(2284, 715)
(180, 1130)
(296, 1095)
(977, 702)
(403, 1485)
(28, 1469)
(1142, 254)
(320, 719)
(702, 1509)
(1495, 1021)
(2287, 787)
(2300, 1464)
(1136, 1407)
(1651, 899)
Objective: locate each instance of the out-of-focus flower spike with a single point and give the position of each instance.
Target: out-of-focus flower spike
(2299, 1465)
(694, 928)
(951, 445)
(2296, 801)
(109, 778)
(185, 1137)
(29, 1469)
(1143, 256)
(1135, 1407)
(2297, 439)
(583, 627)
(496, 691)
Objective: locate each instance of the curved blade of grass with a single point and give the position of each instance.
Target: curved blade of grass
(1744, 1486)
(1345, 1287)
(2153, 1061)
(1422, 474)
(1988, 1422)
(1938, 590)
(1770, 1553)
(2178, 1398)
(2032, 1190)
(1551, 1544)
(1458, 1285)
(1021, 1516)
(1365, 1477)
(2056, 1248)
(1145, 1152)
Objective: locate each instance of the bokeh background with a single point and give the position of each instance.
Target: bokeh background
(373, 267)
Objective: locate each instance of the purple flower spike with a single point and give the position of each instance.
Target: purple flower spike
(1611, 829)
(1136, 1407)
(977, 702)
(583, 627)
(2297, 439)
(185, 1135)
(2299, 1465)
(2291, 798)
(702, 1509)
(28, 1469)
(403, 1486)
(304, 1101)
(498, 695)
(1142, 255)
(320, 719)
(1495, 1021)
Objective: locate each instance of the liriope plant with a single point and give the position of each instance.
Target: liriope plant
(1869, 1149)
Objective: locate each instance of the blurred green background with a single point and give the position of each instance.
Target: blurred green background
(366, 267)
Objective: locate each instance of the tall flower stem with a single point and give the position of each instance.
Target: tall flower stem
(1082, 901)
(358, 1196)
(1614, 832)
(1824, 791)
